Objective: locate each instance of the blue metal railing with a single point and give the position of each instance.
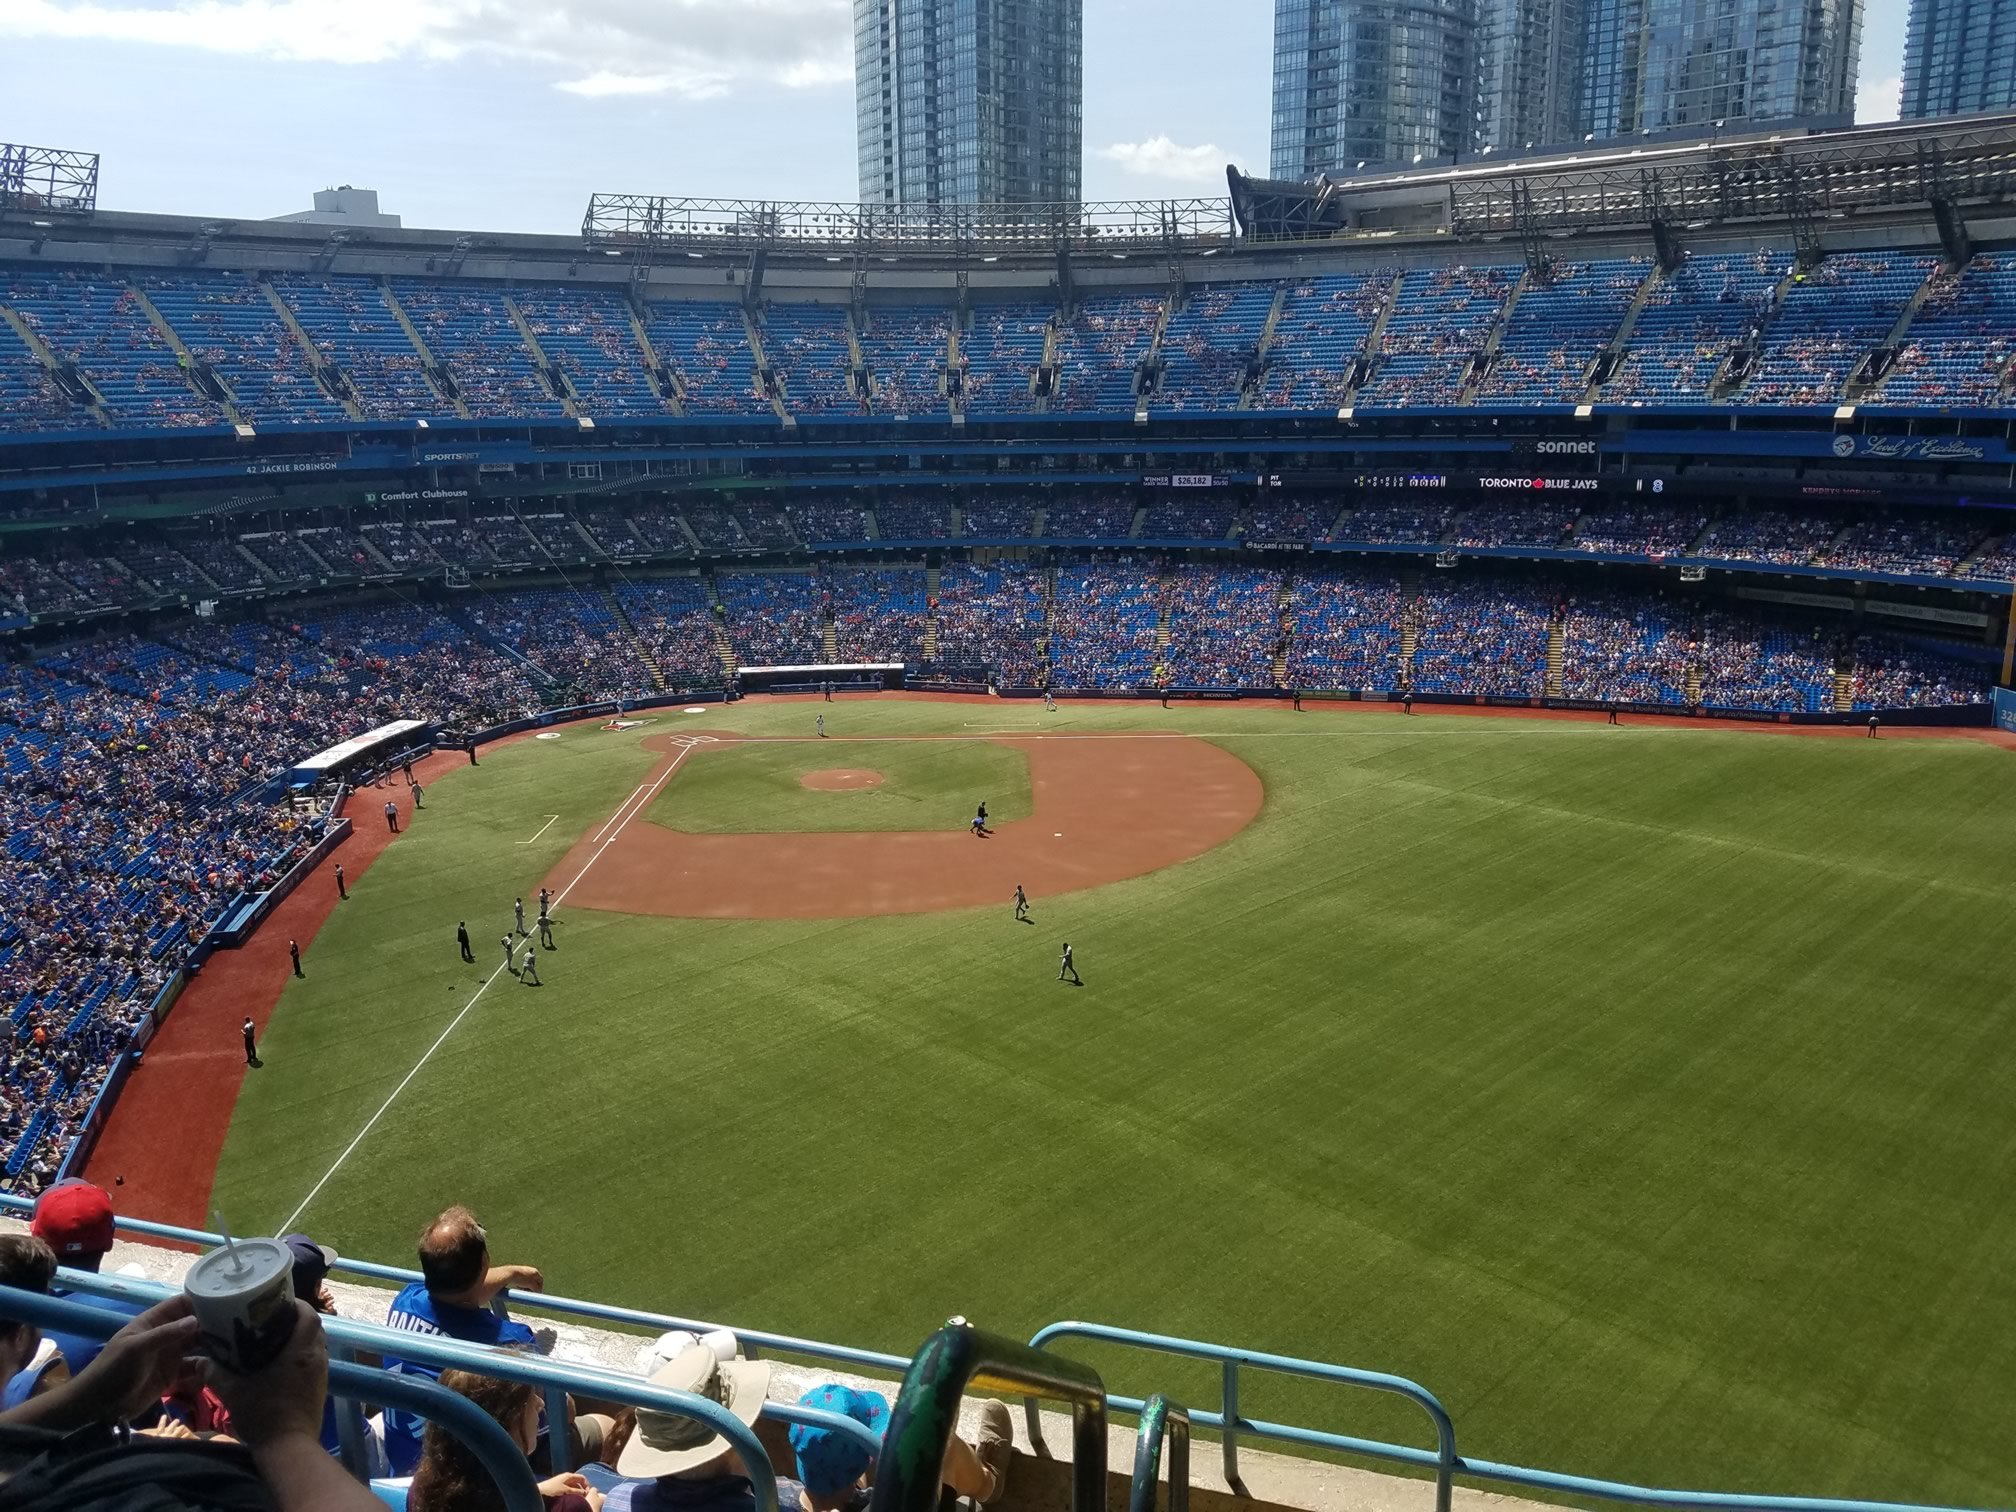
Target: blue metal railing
(485, 1436)
(959, 1356)
(1443, 1459)
(1161, 1419)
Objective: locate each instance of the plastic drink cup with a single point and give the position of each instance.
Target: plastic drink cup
(243, 1298)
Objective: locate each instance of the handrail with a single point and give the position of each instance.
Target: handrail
(752, 1341)
(927, 1412)
(500, 1456)
(1444, 1460)
(555, 1378)
(1160, 1419)
(1230, 1424)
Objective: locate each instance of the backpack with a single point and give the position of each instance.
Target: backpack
(102, 1469)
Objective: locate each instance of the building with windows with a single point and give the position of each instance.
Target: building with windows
(1529, 73)
(1686, 65)
(969, 102)
(1371, 81)
(1959, 57)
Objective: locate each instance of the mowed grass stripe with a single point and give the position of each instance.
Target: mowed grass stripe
(1642, 1092)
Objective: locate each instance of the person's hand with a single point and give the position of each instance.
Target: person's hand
(595, 1499)
(560, 1485)
(284, 1396)
(516, 1278)
(169, 1428)
(140, 1362)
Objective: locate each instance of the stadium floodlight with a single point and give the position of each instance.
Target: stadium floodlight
(44, 179)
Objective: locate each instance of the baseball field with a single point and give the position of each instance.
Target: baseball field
(1644, 1092)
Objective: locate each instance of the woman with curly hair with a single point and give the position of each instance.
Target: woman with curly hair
(451, 1479)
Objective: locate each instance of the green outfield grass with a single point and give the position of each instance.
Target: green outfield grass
(926, 786)
(1645, 1093)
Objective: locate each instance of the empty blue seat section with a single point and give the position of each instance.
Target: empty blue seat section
(226, 320)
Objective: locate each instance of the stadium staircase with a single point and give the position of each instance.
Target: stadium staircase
(330, 378)
(1480, 365)
(1335, 529)
(203, 380)
(1410, 626)
(723, 647)
(1046, 374)
(1834, 543)
(1693, 688)
(615, 607)
(1038, 520)
(1557, 654)
(1964, 566)
(437, 375)
(829, 642)
(266, 574)
(1740, 365)
(1147, 372)
(931, 581)
(870, 524)
(1284, 620)
(679, 515)
(1250, 390)
(307, 544)
(1867, 377)
(554, 379)
(1701, 536)
(69, 380)
(1135, 525)
(751, 332)
(1843, 701)
(662, 381)
(1368, 355)
(1612, 356)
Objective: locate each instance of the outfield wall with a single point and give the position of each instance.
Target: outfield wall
(2005, 710)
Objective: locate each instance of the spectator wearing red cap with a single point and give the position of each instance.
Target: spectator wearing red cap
(74, 1218)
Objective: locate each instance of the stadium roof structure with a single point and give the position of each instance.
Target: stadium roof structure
(1617, 185)
(629, 220)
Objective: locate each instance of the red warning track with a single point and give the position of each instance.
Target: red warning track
(1105, 808)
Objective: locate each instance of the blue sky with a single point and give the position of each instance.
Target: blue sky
(507, 114)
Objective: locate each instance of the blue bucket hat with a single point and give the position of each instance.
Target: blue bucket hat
(828, 1462)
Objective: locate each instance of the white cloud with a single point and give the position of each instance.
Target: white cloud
(595, 48)
(1160, 158)
(1882, 101)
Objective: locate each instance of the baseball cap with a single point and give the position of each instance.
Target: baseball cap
(830, 1462)
(311, 1263)
(74, 1218)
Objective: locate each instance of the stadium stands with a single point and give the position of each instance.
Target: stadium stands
(97, 322)
(674, 623)
(1831, 317)
(707, 346)
(1210, 344)
(349, 321)
(1557, 329)
(1619, 649)
(1318, 338)
(1101, 348)
(905, 350)
(992, 617)
(588, 335)
(1748, 664)
(1103, 626)
(468, 329)
(1345, 631)
(999, 355)
(1957, 349)
(879, 614)
(810, 353)
(1440, 321)
(1479, 635)
(774, 618)
(227, 322)
(1692, 318)
(1224, 626)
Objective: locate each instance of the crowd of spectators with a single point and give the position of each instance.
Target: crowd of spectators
(1224, 626)
(1210, 345)
(574, 636)
(674, 621)
(1956, 350)
(1192, 519)
(1557, 329)
(1619, 648)
(1317, 339)
(994, 617)
(1478, 635)
(1345, 631)
(1100, 349)
(1396, 524)
(1637, 531)
(775, 619)
(1515, 525)
(1752, 664)
(913, 516)
(1926, 545)
(905, 348)
(822, 520)
(879, 613)
(1769, 535)
(468, 329)
(587, 335)
(1089, 516)
(1103, 622)
(1889, 673)
(809, 352)
(96, 321)
(999, 355)
(1832, 316)
(1690, 321)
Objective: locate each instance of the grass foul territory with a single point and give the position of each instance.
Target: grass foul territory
(1643, 1092)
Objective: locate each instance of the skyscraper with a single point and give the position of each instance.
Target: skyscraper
(1672, 65)
(1959, 56)
(970, 102)
(1373, 80)
(1529, 73)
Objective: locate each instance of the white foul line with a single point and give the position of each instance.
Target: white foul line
(541, 830)
(620, 819)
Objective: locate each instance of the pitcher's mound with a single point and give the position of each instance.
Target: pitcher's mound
(840, 780)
